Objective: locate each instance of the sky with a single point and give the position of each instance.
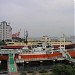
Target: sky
(39, 17)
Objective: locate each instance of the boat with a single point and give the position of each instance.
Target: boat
(42, 51)
(45, 52)
(33, 42)
(20, 45)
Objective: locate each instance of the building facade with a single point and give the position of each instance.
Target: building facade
(5, 31)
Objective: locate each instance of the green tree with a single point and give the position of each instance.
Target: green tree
(63, 70)
(2, 42)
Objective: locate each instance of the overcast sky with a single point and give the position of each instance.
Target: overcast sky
(39, 17)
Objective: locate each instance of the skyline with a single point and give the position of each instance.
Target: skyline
(39, 17)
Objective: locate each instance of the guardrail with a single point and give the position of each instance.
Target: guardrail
(7, 51)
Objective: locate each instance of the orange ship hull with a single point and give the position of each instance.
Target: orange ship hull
(56, 54)
(41, 56)
(6, 57)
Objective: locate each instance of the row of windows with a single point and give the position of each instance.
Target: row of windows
(5, 28)
(5, 35)
(5, 32)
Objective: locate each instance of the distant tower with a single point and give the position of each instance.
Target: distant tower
(26, 37)
(5, 31)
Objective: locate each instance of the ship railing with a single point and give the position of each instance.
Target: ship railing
(37, 59)
(7, 51)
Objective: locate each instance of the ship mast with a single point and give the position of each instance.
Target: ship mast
(63, 40)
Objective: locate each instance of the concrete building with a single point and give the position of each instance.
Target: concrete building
(5, 31)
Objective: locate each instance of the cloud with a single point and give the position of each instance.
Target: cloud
(40, 17)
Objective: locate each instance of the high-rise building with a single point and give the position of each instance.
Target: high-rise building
(5, 31)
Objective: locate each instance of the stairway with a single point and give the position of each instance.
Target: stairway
(12, 65)
(67, 55)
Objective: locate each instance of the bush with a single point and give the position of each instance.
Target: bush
(63, 70)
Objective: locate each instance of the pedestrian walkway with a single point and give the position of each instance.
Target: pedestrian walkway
(11, 63)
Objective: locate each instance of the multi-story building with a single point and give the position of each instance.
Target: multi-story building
(5, 31)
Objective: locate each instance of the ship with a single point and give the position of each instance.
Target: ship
(36, 50)
(45, 52)
(38, 53)
(31, 44)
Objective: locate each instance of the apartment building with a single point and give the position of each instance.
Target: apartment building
(5, 31)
